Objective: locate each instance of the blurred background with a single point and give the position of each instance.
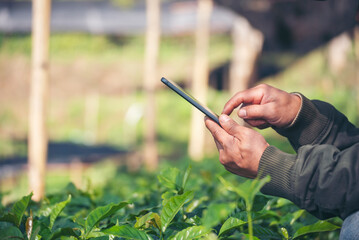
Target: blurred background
(105, 105)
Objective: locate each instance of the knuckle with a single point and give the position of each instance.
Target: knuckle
(215, 133)
(223, 159)
(263, 86)
(232, 128)
(230, 143)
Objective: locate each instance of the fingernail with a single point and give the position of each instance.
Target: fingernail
(224, 118)
(242, 113)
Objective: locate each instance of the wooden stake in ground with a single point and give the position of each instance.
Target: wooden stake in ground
(37, 149)
(338, 50)
(247, 42)
(200, 78)
(150, 80)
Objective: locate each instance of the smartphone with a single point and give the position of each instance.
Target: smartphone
(172, 85)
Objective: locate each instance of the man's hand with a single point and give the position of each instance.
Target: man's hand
(240, 148)
(265, 106)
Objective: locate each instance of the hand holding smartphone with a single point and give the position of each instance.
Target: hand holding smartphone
(172, 85)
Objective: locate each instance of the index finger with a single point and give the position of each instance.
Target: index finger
(253, 96)
(218, 133)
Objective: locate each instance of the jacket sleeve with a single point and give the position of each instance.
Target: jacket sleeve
(320, 123)
(323, 176)
(320, 178)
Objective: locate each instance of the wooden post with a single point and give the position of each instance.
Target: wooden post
(77, 170)
(248, 44)
(338, 49)
(200, 78)
(37, 149)
(92, 106)
(150, 79)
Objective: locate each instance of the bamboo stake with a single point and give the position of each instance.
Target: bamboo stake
(248, 43)
(200, 78)
(150, 79)
(37, 149)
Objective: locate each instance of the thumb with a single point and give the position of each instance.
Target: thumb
(229, 125)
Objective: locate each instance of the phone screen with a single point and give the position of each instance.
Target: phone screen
(190, 99)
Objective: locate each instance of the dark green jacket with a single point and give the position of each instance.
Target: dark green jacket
(323, 177)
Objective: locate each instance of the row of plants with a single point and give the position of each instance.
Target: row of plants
(195, 203)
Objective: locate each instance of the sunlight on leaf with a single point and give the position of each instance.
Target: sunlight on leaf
(230, 224)
(101, 213)
(147, 220)
(296, 215)
(284, 232)
(171, 208)
(320, 226)
(128, 232)
(247, 190)
(185, 176)
(56, 210)
(191, 233)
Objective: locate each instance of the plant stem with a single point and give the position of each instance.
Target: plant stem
(161, 235)
(250, 225)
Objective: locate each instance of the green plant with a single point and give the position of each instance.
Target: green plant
(189, 204)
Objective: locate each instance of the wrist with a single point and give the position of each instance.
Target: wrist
(296, 106)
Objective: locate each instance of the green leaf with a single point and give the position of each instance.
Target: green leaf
(95, 234)
(10, 218)
(217, 212)
(20, 207)
(179, 226)
(128, 232)
(247, 189)
(101, 238)
(195, 203)
(284, 232)
(320, 226)
(101, 213)
(172, 206)
(191, 233)
(281, 202)
(11, 232)
(149, 219)
(185, 176)
(35, 233)
(44, 231)
(170, 178)
(265, 233)
(56, 210)
(230, 224)
(296, 215)
(68, 232)
(247, 236)
(166, 196)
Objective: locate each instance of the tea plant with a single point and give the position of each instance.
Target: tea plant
(178, 205)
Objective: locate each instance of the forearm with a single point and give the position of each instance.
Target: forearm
(320, 178)
(320, 123)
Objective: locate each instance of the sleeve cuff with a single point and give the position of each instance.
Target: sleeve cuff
(309, 125)
(279, 166)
